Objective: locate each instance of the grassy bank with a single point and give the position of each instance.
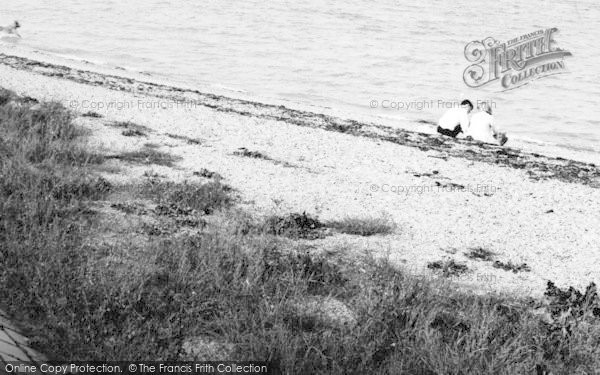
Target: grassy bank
(164, 270)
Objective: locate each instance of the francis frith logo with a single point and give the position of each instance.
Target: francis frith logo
(516, 62)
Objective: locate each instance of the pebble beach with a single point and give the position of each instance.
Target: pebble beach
(446, 196)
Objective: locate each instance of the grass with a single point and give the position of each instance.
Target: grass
(127, 125)
(304, 226)
(182, 198)
(147, 156)
(226, 286)
(363, 226)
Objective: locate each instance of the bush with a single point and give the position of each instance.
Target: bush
(294, 226)
(185, 197)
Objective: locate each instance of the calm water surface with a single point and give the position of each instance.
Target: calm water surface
(337, 56)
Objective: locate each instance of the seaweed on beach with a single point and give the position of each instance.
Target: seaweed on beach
(479, 253)
(91, 114)
(133, 133)
(509, 266)
(207, 174)
(538, 167)
(427, 174)
(191, 141)
(243, 151)
(450, 186)
(449, 268)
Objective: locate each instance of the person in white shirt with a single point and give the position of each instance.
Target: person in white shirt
(455, 120)
(483, 129)
(11, 29)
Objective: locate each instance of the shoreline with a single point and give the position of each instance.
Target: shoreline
(539, 166)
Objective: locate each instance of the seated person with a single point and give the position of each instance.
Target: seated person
(483, 129)
(455, 120)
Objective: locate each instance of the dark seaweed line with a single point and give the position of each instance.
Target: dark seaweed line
(538, 167)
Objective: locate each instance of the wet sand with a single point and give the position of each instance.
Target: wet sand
(447, 196)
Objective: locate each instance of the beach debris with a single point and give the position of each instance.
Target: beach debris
(189, 140)
(479, 253)
(450, 186)
(426, 174)
(448, 267)
(129, 125)
(509, 266)
(486, 194)
(243, 151)
(207, 174)
(133, 133)
(295, 226)
(450, 250)
(91, 114)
